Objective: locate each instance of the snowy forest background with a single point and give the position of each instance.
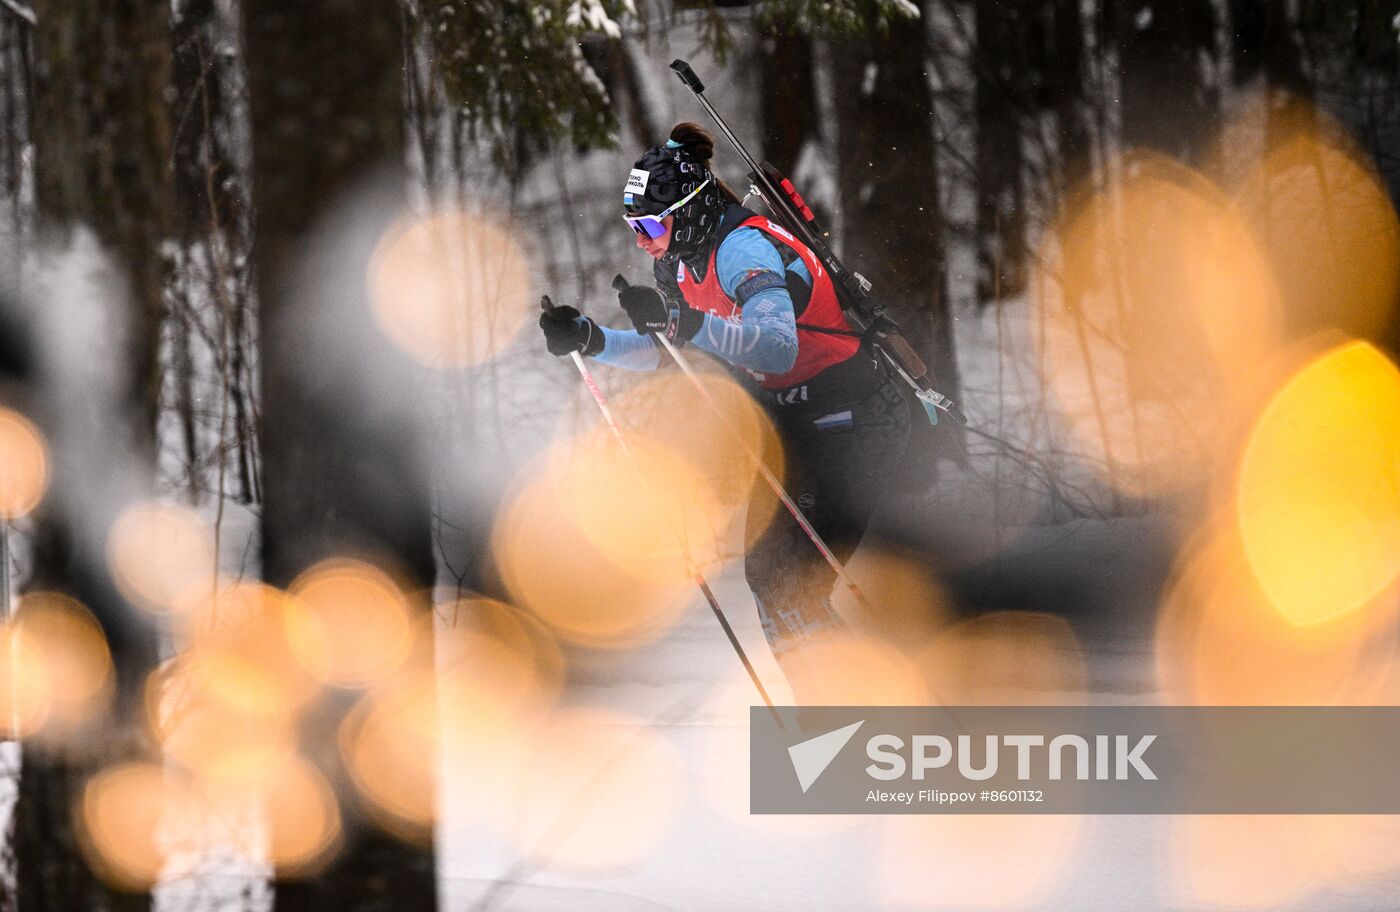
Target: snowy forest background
(1114, 228)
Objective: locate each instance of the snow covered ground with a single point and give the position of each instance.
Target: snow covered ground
(713, 855)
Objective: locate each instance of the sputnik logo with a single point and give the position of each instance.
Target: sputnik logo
(810, 758)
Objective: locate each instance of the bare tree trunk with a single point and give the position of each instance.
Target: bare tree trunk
(1167, 102)
(14, 134)
(1265, 43)
(327, 110)
(206, 198)
(1001, 114)
(102, 146)
(647, 129)
(204, 166)
(894, 224)
(787, 94)
(102, 143)
(1067, 87)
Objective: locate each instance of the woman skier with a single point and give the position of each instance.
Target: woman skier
(742, 288)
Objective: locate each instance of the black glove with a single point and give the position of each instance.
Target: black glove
(651, 314)
(566, 330)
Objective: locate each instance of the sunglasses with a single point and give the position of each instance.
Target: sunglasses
(649, 226)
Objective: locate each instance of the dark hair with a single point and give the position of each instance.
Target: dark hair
(701, 144)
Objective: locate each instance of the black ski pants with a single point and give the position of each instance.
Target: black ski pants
(841, 458)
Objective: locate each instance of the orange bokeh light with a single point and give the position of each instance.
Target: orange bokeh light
(58, 670)
(223, 742)
(162, 556)
(391, 743)
(668, 501)
(24, 685)
(497, 670)
(1316, 490)
(1221, 641)
(241, 649)
(451, 288)
(717, 435)
(1324, 221)
(302, 818)
(1156, 304)
(905, 602)
(1007, 658)
(24, 465)
(349, 623)
(122, 816)
(585, 594)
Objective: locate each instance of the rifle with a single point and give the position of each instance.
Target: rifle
(862, 311)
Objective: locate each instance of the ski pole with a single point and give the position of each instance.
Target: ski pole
(620, 283)
(694, 571)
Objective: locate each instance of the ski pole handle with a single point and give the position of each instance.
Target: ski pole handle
(688, 76)
(619, 283)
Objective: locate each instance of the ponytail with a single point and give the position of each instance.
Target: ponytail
(700, 143)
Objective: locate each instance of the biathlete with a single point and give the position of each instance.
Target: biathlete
(742, 288)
